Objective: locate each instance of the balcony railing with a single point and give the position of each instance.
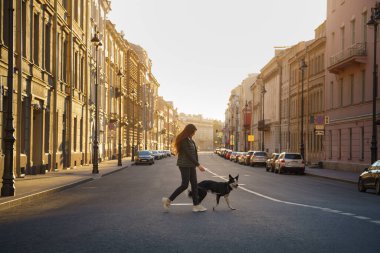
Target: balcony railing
(353, 54)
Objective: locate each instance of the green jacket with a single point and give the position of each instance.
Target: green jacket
(188, 154)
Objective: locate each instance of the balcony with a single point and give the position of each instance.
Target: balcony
(355, 54)
(262, 126)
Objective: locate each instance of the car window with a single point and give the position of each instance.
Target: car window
(260, 154)
(293, 156)
(144, 153)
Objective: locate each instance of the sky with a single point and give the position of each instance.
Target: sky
(202, 49)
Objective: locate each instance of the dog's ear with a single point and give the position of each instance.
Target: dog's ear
(237, 177)
(230, 176)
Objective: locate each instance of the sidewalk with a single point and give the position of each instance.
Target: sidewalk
(37, 186)
(344, 176)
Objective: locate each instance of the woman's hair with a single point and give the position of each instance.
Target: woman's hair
(186, 132)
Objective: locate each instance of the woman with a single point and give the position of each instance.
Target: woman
(187, 162)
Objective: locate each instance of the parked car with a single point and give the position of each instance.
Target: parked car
(258, 158)
(233, 156)
(157, 155)
(247, 157)
(168, 153)
(228, 155)
(241, 157)
(271, 162)
(290, 162)
(370, 178)
(144, 157)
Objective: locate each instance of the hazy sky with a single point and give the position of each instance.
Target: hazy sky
(202, 49)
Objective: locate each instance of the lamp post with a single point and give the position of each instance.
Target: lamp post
(133, 125)
(375, 17)
(245, 125)
(302, 68)
(263, 91)
(8, 188)
(120, 74)
(145, 126)
(237, 129)
(97, 43)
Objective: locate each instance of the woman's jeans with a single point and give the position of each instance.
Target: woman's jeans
(188, 175)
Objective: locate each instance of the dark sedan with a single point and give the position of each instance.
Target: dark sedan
(370, 178)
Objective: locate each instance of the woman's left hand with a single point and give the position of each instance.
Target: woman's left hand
(201, 168)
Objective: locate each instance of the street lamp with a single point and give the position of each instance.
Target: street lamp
(373, 22)
(97, 43)
(133, 125)
(8, 188)
(302, 68)
(245, 125)
(263, 91)
(237, 129)
(120, 74)
(146, 104)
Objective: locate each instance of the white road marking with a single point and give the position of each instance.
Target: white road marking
(325, 209)
(181, 204)
(362, 217)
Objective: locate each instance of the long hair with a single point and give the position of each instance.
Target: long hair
(186, 132)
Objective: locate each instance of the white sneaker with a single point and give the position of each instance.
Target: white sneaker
(199, 208)
(166, 203)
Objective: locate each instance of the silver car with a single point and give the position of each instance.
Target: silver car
(290, 162)
(258, 158)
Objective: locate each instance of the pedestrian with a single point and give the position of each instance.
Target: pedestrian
(187, 162)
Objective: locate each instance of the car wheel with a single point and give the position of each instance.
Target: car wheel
(279, 170)
(377, 188)
(361, 186)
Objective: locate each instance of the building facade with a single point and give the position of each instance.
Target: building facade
(349, 84)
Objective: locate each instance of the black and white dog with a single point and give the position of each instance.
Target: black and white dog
(218, 188)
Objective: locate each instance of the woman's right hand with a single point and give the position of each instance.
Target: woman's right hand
(201, 168)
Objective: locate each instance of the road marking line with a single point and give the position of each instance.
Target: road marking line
(182, 204)
(362, 217)
(348, 214)
(325, 209)
(376, 222)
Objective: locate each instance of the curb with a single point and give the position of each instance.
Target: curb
(38, 195)
(331, 178)
(29, 198)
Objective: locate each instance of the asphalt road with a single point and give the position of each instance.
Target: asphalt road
(122, 212)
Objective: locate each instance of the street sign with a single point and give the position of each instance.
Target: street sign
(251, 137)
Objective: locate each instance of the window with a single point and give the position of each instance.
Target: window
(24, 28)
(353, 32)
(332, 95)
(64, 60)
(339, 144)
(75, 134)
(364, 26)
(36, 35)
(362, 143)
(350, 144)
(342, 34)
(330, 144)
(341, 92)
(363, 86)
(47, 46)
(352, 82)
